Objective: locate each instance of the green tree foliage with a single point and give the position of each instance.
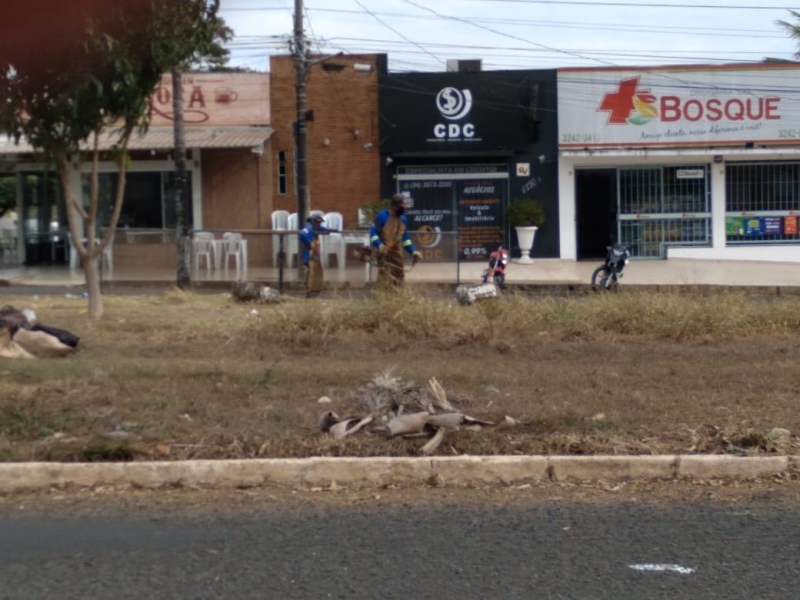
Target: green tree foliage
(71, 70)
(8, 194)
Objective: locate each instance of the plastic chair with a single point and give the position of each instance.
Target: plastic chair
(333, 243)
(203, 247)
(292, 241)
(232, 246)
(74, 258)
(280, 219)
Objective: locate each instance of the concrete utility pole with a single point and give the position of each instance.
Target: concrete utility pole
(301, 130)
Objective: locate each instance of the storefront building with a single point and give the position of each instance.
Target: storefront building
(688, 162)
(227, 137)
(461, 146)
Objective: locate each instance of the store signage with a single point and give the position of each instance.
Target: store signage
(215, 99)
(669, 107)
(454, 105)
(691, 173)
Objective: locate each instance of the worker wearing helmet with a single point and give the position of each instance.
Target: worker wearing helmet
(309, 236)
(389, 237)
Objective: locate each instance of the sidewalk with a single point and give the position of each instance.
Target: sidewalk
(541, 272)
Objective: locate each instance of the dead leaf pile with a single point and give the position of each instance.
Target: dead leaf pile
(392, 407)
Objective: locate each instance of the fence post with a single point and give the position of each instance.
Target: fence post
(281, 260)
(458, 256)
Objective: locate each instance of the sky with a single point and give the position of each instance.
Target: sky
(421, 35)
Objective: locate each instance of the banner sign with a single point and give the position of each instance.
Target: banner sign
(667, 107)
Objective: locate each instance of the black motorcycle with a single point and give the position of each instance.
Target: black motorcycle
(607, 276)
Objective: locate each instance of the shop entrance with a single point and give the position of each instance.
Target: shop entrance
(596, 211)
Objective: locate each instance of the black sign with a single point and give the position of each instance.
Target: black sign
(464, 112)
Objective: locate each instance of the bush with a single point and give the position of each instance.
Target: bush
(525, 212)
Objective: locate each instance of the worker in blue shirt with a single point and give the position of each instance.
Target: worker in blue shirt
(388, 236)
(309, 236)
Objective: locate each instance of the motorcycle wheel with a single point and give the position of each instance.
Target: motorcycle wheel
(600, 281)
(500, 281)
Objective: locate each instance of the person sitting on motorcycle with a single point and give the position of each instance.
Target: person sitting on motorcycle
(389, 236)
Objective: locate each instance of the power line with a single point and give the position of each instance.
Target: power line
(397, 32)
(638, 4)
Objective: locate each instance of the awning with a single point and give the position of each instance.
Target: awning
(162, 138)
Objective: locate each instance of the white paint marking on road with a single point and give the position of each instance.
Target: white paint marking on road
(662, 568)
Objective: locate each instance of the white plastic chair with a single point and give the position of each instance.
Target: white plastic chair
(74, 258)
(293, 240)
(232, 246)
(280, 222)
(203, 247)
(333, 243)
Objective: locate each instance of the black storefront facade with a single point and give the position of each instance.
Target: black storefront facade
(461, 146)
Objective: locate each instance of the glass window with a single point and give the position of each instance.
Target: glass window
(282, 173)
(761, 203)
(148, 203)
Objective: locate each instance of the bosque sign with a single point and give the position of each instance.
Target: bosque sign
(704, 106)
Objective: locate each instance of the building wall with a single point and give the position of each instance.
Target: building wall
(237, 195)
(344, 163)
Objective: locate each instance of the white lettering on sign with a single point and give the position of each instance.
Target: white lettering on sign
(479, 189)
(690, 173)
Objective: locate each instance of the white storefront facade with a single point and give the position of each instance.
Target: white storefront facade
(689, 162)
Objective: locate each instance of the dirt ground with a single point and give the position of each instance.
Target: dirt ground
(181, 376)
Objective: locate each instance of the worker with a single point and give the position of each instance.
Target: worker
(389, 237)
(309, 236)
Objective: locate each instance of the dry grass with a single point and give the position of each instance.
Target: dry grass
(190, 376)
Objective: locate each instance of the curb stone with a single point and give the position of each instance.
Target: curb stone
(377, 472)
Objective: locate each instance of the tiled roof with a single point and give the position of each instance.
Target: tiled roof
(162, 138)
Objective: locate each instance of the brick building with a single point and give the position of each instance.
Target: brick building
(343, 133)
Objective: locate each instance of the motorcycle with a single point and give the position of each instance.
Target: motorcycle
(606, 277)
(496, 271)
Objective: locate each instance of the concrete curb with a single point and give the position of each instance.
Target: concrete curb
(382, 471)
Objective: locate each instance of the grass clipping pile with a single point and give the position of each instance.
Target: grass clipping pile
(391, 407)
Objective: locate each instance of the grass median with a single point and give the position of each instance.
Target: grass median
(183, 375)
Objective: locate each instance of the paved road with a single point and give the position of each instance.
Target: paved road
(550, 550)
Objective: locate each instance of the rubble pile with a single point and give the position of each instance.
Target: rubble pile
(392, 407)
(22, 337)
(245, 291)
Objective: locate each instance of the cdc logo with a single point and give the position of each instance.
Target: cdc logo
(454, 105)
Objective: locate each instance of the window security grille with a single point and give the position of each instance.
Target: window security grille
(762, 203)
(660, 207)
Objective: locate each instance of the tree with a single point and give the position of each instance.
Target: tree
(84, 69)
(8, 194)
(792, 30)
(209, 54)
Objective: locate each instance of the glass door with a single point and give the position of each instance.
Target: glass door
(43, 218)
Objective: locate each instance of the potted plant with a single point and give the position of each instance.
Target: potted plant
(525, 216)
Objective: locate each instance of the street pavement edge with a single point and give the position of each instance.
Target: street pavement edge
(378, 472)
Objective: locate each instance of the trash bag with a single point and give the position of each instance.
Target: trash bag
(12, 319)
(62, 335)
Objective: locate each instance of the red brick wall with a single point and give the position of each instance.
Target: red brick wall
(343, 174)
(237, 195)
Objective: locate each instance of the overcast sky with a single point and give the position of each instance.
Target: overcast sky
(420, 35)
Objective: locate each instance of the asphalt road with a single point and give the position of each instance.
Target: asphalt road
(547, 550)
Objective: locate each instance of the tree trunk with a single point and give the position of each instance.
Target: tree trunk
(181, 196)
(92, 274)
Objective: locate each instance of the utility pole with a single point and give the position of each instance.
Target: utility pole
(301, 130)
(183, 279)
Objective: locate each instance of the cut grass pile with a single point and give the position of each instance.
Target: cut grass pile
(200, 376)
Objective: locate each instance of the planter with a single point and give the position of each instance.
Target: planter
(525, 237)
